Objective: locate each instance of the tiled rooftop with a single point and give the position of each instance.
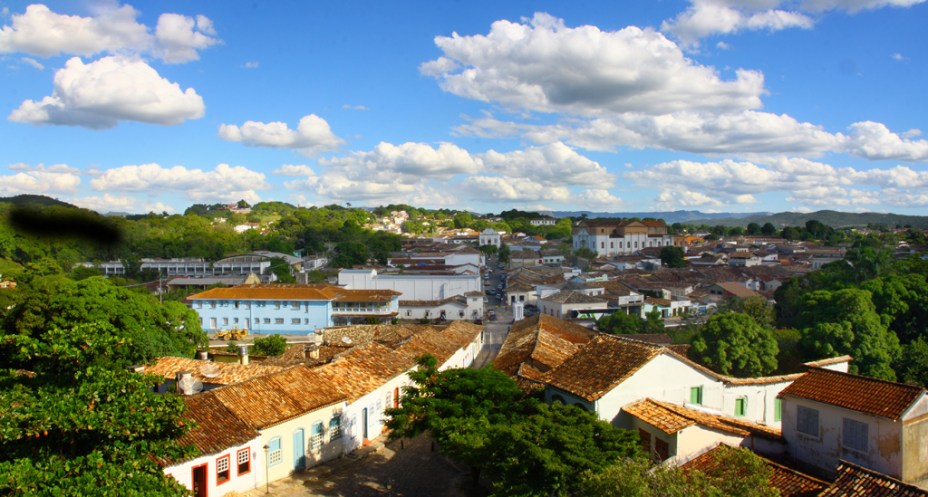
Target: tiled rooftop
(538, 344)
(363, 369)
(441, 342)
(604, 363)
(789, 482)
(858, 393)
(854, 481)
(217, 373)
(671, 418)
(217, 427)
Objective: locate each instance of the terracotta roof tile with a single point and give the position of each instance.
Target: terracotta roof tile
(363, 369)
(273, 399)
(789, 482)
(604, 363)
(217, 373)
(671, 418)
(217, 428)
(441, 342)
(858, 393)
(854, 481)
(538, 344)
(295, 292)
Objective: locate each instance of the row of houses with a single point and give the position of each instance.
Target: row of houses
(266, 422)
(816, 419)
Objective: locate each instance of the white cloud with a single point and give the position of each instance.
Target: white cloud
(306, 177)
(251, 64)
(875, 141)
(599, 199)
(833, 195)
(224, 183)
(411, 160)
(34, 63)
(109, 90)
(180, 37)
(631, 70)
(39, 179)
(113, 29)
(708, 17)
(897, 57)
(555, 163)
(354, 107)
(675, 199)
(313, 135)
(499, 189)
(854, 6)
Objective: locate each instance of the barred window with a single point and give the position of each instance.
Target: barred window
(335, 427)
(807, 421)
(316, 438)
(854, 435)
(222, 470)
(243, 458)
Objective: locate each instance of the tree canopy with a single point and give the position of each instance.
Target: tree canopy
(733, 343)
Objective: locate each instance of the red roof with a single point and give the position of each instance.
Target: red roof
(858, 393)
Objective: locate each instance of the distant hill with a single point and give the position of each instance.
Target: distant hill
(36, 200)
(687, 217)
(834, 219)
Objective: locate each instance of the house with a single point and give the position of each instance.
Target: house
(573, 304)
(732, 289)
(744, 259)
(229, 457)
(609, 237)
(291, 309)
(525, 258)
(467, 306)
(536, 345)
(489, 236)
(543, 221)
(552, 257)
(415, 286)
(612, 372)
(677, 433)
(829, 416)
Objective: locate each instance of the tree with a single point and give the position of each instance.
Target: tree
(672, 257)
(273, 345)
(912, 366)
(753, 229)
(619, 323)
(481, 418)
(733, 343)
(757, 307)
(768, 229)
(76, 421)
(503, 253)
(281, 268)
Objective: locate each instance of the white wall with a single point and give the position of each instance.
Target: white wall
(183, 472)
(412, 286)
(330, 449)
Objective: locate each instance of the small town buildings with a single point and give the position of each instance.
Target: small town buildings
(552, 257)
(417, 286)
(291, 309)
(829, 416)
(525, 258)
(468, 306)
(852, 480)
(543, 221)
(610, 237)
(574, 304)
(489, 236)
(258, 262)
(536, 345)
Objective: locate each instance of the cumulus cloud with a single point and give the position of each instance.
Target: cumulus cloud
(34, 63)
(304, 176)
(631, 70)
(224, 183)
(708, 17)
(180, 38)
(109, 90)
(312, 135)
(500, 189)
(410, 161)
(875, 141)
(599, 199)
(112, 29)
(712, 17)
(804, 181)
(554, 163)
(39, 179)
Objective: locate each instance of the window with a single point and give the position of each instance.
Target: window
(295, 321)
(295, 305)
(644, 438)
(225, 321)
(777, 409)
(335, 427)
(267, 320)
(278, 320)
(740, 407)
(315, 440)
(243, 458)
(276, 304)
(222, 470)
(274, 454)
(854, 435)
(696, 395)
(236, 304)
(807, 421)
(662, 449)
(235, 320)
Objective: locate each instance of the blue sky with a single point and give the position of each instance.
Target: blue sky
(716, 105)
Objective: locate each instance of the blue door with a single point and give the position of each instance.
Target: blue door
(299, 450)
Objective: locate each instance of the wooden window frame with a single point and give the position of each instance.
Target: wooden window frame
(228, 471)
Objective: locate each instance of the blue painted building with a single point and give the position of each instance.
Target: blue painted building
(291, 309)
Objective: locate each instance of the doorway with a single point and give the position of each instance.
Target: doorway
(364, 423)
(299, 450)
(200, 485)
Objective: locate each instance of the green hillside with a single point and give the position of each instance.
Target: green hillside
(834, 219)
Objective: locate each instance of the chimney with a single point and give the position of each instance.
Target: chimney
(311, 351)
(243, 355)
(204, 355)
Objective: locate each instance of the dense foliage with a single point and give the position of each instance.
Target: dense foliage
(273, 345)
(733, 343)
(524, 447)
(620, 323)
(73, 419)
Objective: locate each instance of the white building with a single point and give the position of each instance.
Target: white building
(411, 286)
(489, 236)
(609, 238)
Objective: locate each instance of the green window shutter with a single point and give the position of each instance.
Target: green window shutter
(696, 395)
(740, 405)
(777, 409)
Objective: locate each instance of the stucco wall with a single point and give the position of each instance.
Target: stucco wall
(412, 286)
(251, 314)
(183, 472)
(330, 448)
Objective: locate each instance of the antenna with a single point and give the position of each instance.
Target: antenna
(190, 386)
(210, 370)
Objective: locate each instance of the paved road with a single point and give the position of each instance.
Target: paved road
(387, 471)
